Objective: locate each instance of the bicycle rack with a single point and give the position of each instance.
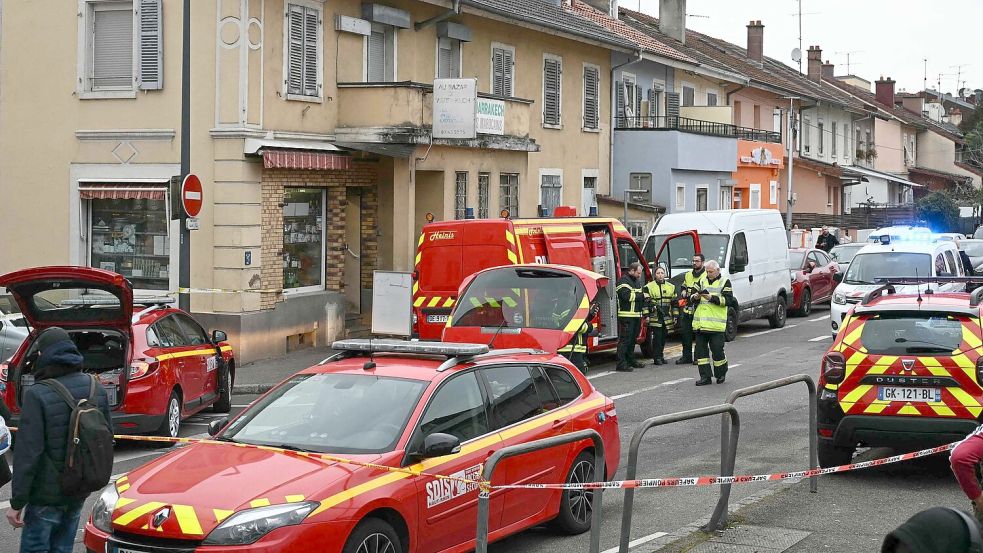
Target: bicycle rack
(727, 464)
(481, 543)
(728, 449)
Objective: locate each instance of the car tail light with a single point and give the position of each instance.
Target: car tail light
(826, 432)
(610, 411)
(834, 367)
(142, 367)
(5, 370)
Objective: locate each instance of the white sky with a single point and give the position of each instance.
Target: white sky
(888, 37)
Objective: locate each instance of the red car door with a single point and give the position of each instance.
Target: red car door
(178, 357)
(820, 279)
(205, 363)
(448, 509)
(524, 409)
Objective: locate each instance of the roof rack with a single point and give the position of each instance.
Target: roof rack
(454, 361)
(878, 292)
(976, 297)
(449, 350)
(902, 281)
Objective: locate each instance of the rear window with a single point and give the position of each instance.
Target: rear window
(905, 333)
(866, 267)
(60, 302)
(508, 298)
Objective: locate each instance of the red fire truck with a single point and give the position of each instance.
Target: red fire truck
(450, 251)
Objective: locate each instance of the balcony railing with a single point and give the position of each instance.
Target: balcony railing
(696, 126)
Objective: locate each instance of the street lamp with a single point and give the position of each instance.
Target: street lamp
(628, 192)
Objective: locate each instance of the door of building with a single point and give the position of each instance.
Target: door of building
(353, 250)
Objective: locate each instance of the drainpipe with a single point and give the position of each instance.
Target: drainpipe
(614, 118)
(455, 10)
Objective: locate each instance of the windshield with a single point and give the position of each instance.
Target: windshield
(866, 267)
(845, 254)
(520, 298)
(680, 251)
(900, 333)
(973, 249)
(331, 413)
(795, 259)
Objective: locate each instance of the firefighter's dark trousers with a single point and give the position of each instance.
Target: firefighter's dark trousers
(710, 354)
(628, 331)
(686, 335)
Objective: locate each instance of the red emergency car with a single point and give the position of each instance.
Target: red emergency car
(449, 251)
(158, 366)
(436, 408)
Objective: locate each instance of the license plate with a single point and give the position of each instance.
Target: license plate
(118, 549)
(110, 395)
(899, 393)
(436, 318)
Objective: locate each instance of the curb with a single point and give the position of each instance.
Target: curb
(240, 389)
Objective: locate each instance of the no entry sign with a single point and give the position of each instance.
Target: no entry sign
(191, 195)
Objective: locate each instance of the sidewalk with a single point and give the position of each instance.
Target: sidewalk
(258, 377)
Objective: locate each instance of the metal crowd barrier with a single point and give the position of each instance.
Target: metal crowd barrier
(719, 517)
(728, 451)
(481, 546)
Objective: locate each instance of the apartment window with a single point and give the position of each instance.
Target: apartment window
(303, 51)
(680, 197)
(737, 113)
(829, 196)
(113, 63)
(655, 101)
(592, 78)
(629, 100)
(806, 133)
(448, 58)
(550, 191)
(503, 68)
(820, 130)
(711, 98)
(460, 194)
(832, 144)
(380, 54)
(702, 201)
(303, 239)
(726, 197)
(757, 116)
(859, 140)
(640, 181)
(483, 179)
(590, 193)
(552, 90)
(755, 196)
(689, 95)
(508, 193)
(773, 192)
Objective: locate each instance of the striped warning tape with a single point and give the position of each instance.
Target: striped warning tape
(183, 290)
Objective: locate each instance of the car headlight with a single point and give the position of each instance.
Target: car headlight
(247, 526)
(839, 298)
(102, 511)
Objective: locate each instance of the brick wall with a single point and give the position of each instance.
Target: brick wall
(364, 175)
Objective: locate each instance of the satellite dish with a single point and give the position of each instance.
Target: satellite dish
(796, 55)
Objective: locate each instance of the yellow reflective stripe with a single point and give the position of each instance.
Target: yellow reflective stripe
(511, 255)
(137, 512)
(419, 301)
(875, 408)
(434, 301)
(475, 302)
(175, 355)
(557, 229)
(187, 520)
(492, 302)
(509, 302)
(933, 366)
(416, 287)
(942, 410)
(262, 502)
(420, 241)
(294, 498)
(856, 393)
(509, 237)
(225, 348)
(964, 398)
(221, 514)
(908, 410)
(120, 488)
(853, 336)
(971, 338)
(449, 302)
(720, 363)
(124, 501)
(419, 256)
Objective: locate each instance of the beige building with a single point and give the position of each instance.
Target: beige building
(310, 130)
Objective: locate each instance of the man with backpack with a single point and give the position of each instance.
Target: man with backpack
(64, 446)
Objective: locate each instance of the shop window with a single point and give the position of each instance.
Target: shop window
(128, 233)
(483, 179)
(303, 239)
(508, 190)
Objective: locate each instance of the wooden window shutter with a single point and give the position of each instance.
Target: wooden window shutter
(151, 45)
(590, 98)
(621, 102)
(672, 104)
(508, 72)
(638, 101)
(295, 49)
(498, 72)
(653, 103)
(312, 20)
(551, 92)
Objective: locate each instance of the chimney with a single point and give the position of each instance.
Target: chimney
(609, 7)
(955, 116)
(814, 59)
(884, 91)
(827, 70)
(755, 40)
(672, 19)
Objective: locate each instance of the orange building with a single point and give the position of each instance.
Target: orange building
(756, 182)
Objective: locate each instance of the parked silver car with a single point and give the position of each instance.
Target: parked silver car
(844, 253)
(13, 326)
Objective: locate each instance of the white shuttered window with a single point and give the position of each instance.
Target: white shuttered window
(303, 56)
(448, 58)
(380, 54)
(151, 45)
(592, 78)
(552, 74)
(503, 67)
(112, 46)
(121, 46)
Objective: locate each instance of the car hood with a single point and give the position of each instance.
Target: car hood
(204, 484)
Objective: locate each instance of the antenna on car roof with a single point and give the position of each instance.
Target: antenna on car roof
(370, 364)
(918, 287)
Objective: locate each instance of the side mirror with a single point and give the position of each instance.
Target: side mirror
(439, 444)
(838, 277)
(216, 425)
(219, 336)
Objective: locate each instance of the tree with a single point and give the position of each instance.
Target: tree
(972, 128)
(938, 210)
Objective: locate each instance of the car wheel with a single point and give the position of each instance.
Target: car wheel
(806, 306)
(170, 427)
(731, 332)
(373, 535)
(575, 505)
(224, 403)
(777, 319)
(834, 456)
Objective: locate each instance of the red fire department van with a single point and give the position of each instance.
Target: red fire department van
(449, 251)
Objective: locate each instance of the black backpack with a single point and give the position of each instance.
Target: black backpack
(89, 455)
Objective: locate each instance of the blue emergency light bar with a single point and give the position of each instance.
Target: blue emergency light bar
(403, 346)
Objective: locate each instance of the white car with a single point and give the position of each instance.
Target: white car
(901, 233)
(894, 259)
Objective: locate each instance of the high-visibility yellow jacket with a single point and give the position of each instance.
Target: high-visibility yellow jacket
(711, 314)
(661, 298)
(691, 280)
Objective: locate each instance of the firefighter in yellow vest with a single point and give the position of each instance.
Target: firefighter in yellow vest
(692, 283)
(710, 324)
(576, 350)
(660, 295)
(630, 305)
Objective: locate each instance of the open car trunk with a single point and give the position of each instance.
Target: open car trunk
(105, 353)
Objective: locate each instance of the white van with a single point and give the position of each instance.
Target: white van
(899, 233)
(897, 258)
(751, 247)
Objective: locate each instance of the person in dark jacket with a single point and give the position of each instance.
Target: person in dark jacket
(935, 530)
(4, 467)
(631, 301)
(49, 518)
(826, 241)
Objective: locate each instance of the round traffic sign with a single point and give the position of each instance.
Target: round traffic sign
(191, 195)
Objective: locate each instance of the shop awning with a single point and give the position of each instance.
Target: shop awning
(879, 175)
(282, 158)
(122, 191)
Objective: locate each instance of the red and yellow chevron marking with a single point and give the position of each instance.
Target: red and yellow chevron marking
(579, 317)
(434, 301)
